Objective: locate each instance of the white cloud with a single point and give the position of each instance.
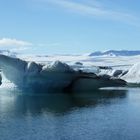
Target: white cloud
(16, 45)
(10, 42)
(95, 10)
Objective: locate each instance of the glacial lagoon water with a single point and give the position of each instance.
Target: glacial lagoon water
(111, 114)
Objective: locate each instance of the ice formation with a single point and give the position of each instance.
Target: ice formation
(0, 79)
(57, 76)
(133, 75)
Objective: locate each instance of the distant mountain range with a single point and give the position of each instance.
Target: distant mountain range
(97, 53)
(116, 53)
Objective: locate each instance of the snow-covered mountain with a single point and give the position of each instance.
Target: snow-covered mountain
(116, 53)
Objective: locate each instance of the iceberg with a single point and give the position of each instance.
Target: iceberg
(57, 76)
(133, 75)
(0, 79)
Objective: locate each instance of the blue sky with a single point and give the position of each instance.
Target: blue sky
(69, 26)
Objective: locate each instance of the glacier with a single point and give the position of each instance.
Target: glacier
(56, 76)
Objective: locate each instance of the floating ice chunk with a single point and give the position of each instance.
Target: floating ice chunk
(0, 79)
(133, 75)
(57, 76)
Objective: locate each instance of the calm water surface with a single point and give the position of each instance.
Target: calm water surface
(100, 115)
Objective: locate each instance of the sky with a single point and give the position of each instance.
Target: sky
(69, 26)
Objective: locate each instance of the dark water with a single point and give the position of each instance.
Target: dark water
(100, 115)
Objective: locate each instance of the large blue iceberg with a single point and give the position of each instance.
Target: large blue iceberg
(57, 76)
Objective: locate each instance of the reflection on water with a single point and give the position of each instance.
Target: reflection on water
(100, 115)
(54, 102)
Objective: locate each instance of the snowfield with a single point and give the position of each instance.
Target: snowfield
(114, 61)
